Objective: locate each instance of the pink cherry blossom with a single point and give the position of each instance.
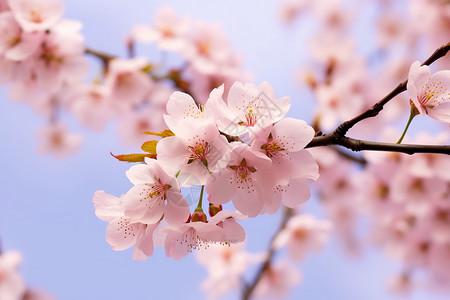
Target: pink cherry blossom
(226, 264)
(207, 47)
(91, 107)
(251, 109)
(291, 165)
(277, 281)
(303, 234)
(37, 15)
(55, 140)
(128, 83)
(430, 92)
(155, 194)
(196, 150)
(221, 229)
(122, 231)
(245, 181)
(182, 106)
(60, 59)
(131, 124)
(169, 31)
(12, 286)
(230, 72)
(15, 44)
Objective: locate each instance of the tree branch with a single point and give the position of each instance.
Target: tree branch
(360, 145)
(104, 57)
(249, 288)
(337, 137)
(377, 107)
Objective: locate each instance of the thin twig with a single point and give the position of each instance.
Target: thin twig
(350, 157)
(337, 137)
(249, 288)
(377, 107)
(360, 145)
(104, 57)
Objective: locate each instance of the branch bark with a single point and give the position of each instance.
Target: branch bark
(249, 288)
(337, 137)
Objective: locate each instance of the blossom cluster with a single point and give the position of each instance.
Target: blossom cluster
(407, 201)
(226, 265)
(42, 58)
(204, 147)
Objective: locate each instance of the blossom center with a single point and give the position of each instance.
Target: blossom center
(35, 16)
(272, 148)
(199, 150)
(154, 194)
(191, 239)
(243, 170)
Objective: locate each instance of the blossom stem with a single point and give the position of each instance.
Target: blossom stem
(411, 117)
(200, 200)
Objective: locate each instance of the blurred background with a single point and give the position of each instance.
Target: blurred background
(46, 208)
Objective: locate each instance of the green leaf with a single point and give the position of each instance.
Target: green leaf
(135, 157)
(149, 147)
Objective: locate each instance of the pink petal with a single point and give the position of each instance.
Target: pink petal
(141, 207)
(144, 244)
(172, 154)
(304, 165)
(28, 45)
(293, 134)
(440, 112)
(177, 209)
(296, 192)
(107, 207)
(121, 234)
(221, 187)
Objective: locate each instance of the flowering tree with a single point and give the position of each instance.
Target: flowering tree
(217, 150)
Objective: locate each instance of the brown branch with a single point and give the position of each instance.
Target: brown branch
(337, 137)
(377, 107)
(249, 288)
(360, 145)
(348, 156)
(104, 57)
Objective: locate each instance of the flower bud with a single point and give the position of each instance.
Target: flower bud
(199, 216)
(214, 209)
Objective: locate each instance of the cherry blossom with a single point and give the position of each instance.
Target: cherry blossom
(57, 141)
(251, 109)
(429, 93)
(244, 181)
(291, 165)
(122, 231)
(128, 83)
(222, 229)
(15, 44)
(91, 106)
(278, 281)
(226, 264)
(169, 30)
(37, 15)
(196, 150)
(146, 201)
(182, 106)
(207, 47)
(303, 234)
(12, 286)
